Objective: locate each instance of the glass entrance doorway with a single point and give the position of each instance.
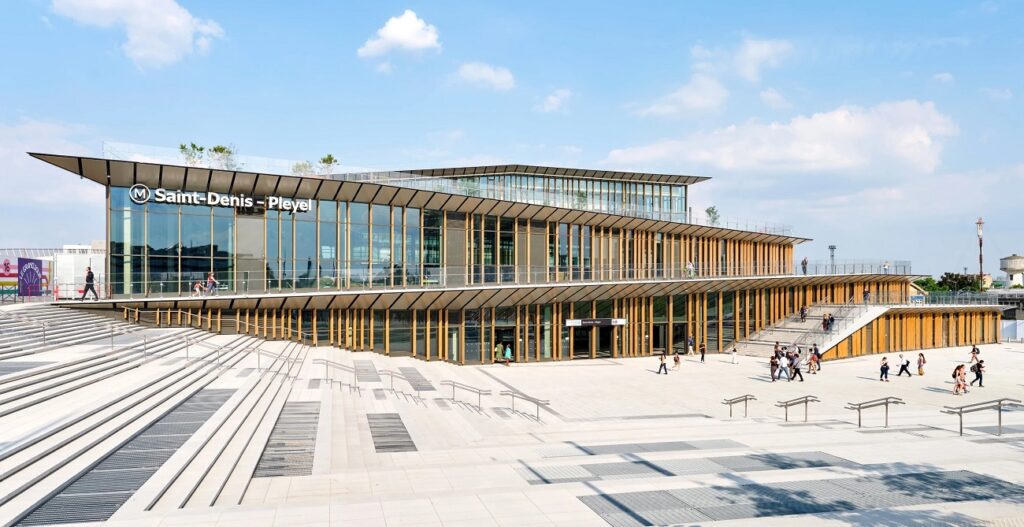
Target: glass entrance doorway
(581, 343)
(604, 342)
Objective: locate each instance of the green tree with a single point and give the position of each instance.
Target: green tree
(303, 168)
(223, 157)
(192, 153)
(712, 215)
(929, 284)
(959, 282)
(327, 164)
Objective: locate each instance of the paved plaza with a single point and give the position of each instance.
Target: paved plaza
(277, 437)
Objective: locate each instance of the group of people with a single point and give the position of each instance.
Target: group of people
(502, 354)
(790, 363)
(199, 289)
(828, 322)
(975, 364)
(677, 358)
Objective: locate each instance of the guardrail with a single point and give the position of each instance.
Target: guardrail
(472, 389)
(805, 400)
(884, 401)
(523, 396)
(996, 404)
(741, 399)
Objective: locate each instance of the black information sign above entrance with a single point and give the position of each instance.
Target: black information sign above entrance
(594, 322)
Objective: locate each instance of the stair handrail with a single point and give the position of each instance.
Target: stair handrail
(480, 392)
(523, 396)
(884, 401)
(740, 399)
(804, 400)
(996, 404)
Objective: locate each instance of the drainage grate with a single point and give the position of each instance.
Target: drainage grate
(289, 451)
(97, 494)
(639, 448)
(389, 433)
(416, 379)
(9, 367)
(795, 497)
(366, 371)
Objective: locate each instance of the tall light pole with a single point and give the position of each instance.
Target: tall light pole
(832, 257)
(981, 269)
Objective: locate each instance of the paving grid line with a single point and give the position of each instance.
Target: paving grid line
(289, 450)
(719, 503)
(639, 448)
(97, 494)
(366, 371)
(416, 379)
(389, 433)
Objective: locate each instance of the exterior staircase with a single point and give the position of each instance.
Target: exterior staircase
(791, 331)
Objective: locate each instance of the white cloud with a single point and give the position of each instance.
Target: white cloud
(754, 55)
(998, 94)
(160, 32)
(384, 67)
(944, 77)
(702, 93)
(484, 74)
(774, 99)
(554, 101)
(909, 133)
(405, 32)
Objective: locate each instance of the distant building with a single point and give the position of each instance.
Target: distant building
(1013, 266)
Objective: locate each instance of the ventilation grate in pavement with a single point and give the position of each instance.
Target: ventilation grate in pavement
(702, 504)
(680, 467)
(389, 433)
(639, 448)
(96, 495)
(9, 367)
(289, 451)
(416, 379)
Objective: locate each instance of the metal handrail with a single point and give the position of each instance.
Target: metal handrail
(523, 396)
(996, 404)
(478, 391)
(741, 399)
(805, 400)
(884, 401)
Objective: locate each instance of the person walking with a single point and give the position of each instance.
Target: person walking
(784, 366)
(676, 360)
(773, 366)
(824, 322)
(904, 367)
(959, 380)
(796, 366)
(974, 354)
(978, 369)
(703, 350)
(812, 363)
(689, 345)
(884, 375)
(867, 294)
(496, 356)
(211, 284)
(663, 367)
(920, 363)
(803, 265)
(733, 353)
(831, 322)
(90, 285)
(803, 313)
(508, 355)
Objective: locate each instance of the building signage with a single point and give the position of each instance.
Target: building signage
(594, 322)
(30, 277)
(141, 194)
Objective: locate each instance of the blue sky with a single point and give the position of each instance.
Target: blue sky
(884, 128)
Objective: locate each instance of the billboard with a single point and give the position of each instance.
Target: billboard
(30, 277)
(10, 276)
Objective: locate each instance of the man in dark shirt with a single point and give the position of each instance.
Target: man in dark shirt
(89, 278)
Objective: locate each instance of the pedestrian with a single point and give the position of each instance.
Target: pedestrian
(831, 321)
(824, 322)
(773, 365)
(867, 294)
(733, 353)
(803, 264)
(778, 348)
(920, 363)
(803, 313)
(689, 345)
(817, 353)
(508, 355)
(884, 375)
(211, 284)
(904, 367)
(676, 361)
(974, 354)
(89, 285)
(690, 270)
(959, 381)
(978, 369)
(703, 350)
(663, 367)
(197, 288)
(784, 366)
(496, 356)
(796, 366)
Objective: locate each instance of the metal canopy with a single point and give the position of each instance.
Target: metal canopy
(128, 173)
(489, 295)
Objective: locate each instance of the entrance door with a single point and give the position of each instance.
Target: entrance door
(604, 342)
(581, 343)
(659, 337)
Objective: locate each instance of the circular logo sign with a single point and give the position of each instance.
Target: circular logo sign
(139, 193)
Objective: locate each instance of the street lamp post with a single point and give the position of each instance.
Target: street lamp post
(832, 257)
(981, 269)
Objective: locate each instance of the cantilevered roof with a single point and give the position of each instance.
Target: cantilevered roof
(676, 179)
(481, 295)
(200, 179)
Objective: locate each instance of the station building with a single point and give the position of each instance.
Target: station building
(450, 264)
